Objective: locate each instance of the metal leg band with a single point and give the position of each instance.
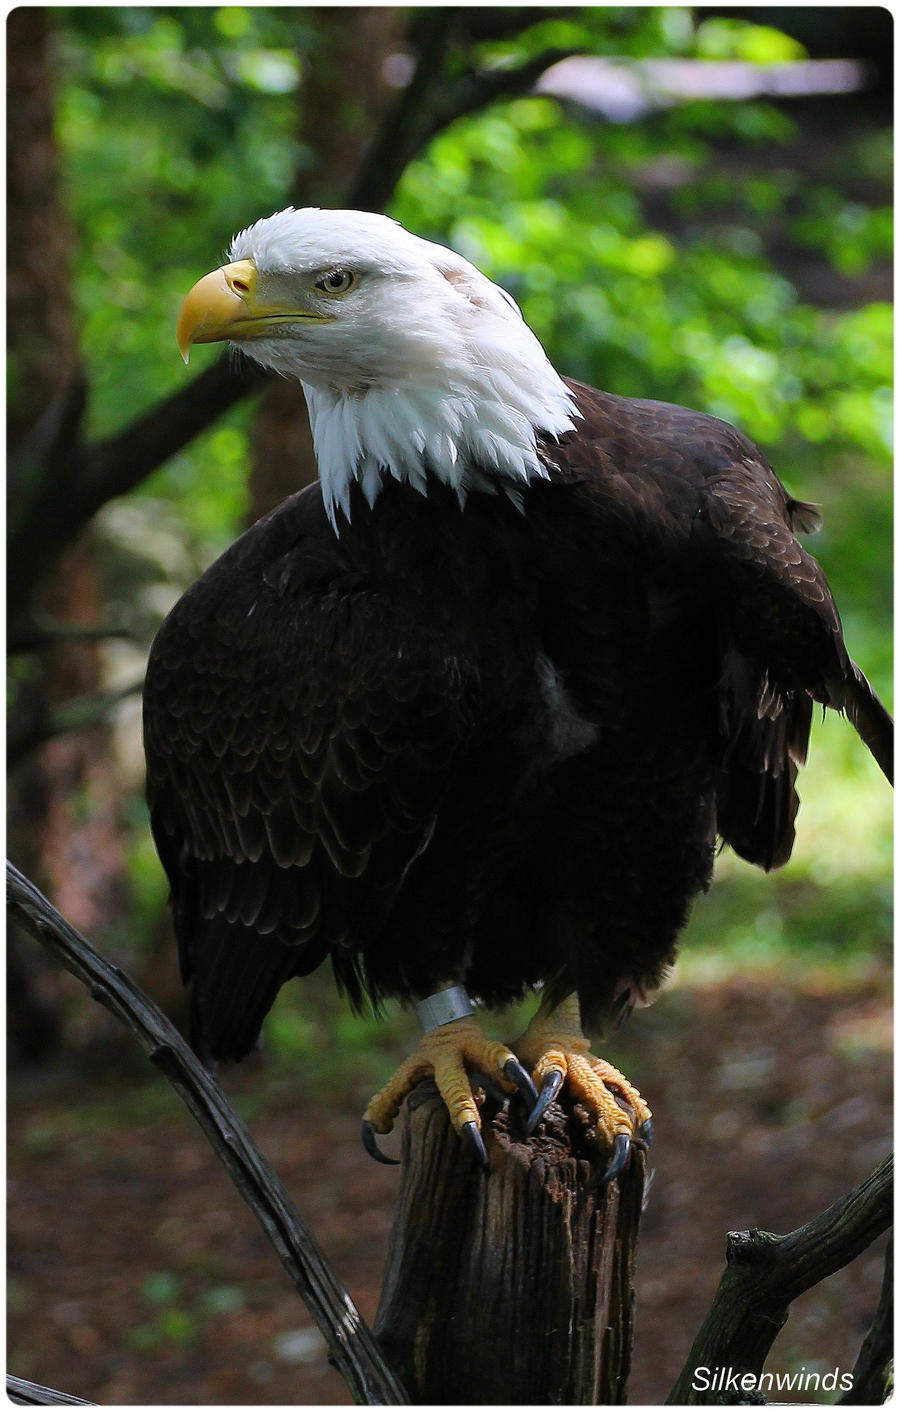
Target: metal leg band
(443, 1007)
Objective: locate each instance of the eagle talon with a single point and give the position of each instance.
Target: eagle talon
(621, 1149)
(476, 1142)
(371, 1146)
(460, 1059)
(553, 1082)
(610, 1108)
(645, 1132)
(514, 1072)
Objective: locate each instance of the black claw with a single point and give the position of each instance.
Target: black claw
(371, 1146)
(645, 1132)
(621, 1149)
(522, 1080)
(549, 1089)
(475, 1141)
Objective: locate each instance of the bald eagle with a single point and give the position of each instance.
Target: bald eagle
(469, 715)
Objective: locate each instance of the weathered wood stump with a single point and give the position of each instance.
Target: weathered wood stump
(513, 1286)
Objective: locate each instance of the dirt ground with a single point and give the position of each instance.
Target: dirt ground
(136, 1274)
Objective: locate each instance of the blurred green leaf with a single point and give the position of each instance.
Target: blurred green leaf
(178, 1325)
(222, 1299)
(161, 1288)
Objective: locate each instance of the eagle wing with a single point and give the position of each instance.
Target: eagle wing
(783, 650)
(704, 494)
(300, 733)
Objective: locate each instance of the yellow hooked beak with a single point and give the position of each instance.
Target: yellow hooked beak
(224, 305)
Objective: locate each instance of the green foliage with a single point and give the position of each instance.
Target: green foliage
(161, 1288)
(178, 1317)
(167, 119)
(719, 327)
(222, 1299)
(727, 38)
(171, 1321)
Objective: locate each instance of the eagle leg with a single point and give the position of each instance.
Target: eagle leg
(558, 1052)
(456, 1055)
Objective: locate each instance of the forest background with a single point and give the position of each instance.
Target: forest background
(703, 216)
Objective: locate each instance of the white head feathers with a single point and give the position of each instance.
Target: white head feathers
(421, 364)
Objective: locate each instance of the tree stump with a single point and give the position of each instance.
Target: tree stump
(513, 1286)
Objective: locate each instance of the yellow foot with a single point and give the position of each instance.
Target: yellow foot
(557, 1052)
(450, 1053)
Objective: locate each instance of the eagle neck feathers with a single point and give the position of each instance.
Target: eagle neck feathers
(473, 426)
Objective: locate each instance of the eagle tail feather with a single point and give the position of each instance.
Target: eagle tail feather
(871, 719)
(236, 976)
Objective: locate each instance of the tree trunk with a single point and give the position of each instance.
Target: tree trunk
(514, 1286)
(344, 91)
(42, 341)
(63, 802)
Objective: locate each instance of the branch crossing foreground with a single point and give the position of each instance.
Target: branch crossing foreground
(351, 1344)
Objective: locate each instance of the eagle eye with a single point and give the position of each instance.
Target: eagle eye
(335, 282)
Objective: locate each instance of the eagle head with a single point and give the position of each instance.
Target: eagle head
(413, 362)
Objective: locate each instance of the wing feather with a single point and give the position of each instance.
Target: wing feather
(694, 487)
(295, 767)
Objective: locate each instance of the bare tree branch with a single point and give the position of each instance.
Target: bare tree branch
(493, 22)
(401, 133)
(76, 480)
(352, 1347)
(59, 425)
(80, 713)
(874, 1368)
(476, 89)
(39, 632)
(26, 1394)
(124, 460)
(765, 1273)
